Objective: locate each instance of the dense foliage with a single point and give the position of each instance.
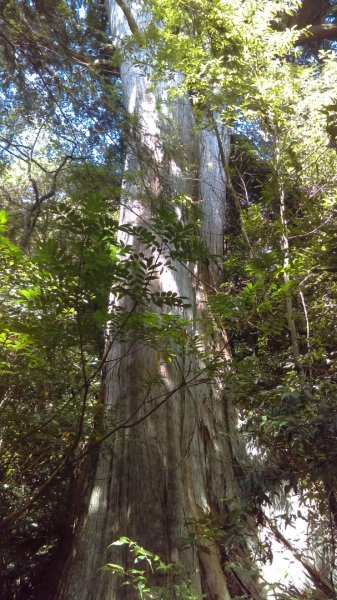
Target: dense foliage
(260, 69)
(60, 173)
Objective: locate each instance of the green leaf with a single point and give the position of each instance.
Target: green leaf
(122, 541)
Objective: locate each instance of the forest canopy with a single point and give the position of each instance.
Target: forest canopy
(265, 72)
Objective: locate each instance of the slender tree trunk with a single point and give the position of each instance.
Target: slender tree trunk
(158, 481)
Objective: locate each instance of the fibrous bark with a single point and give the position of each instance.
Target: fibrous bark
(157, 480)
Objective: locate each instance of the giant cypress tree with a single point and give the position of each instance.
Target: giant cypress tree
(165, 473)
(170, 465)
(162, 464)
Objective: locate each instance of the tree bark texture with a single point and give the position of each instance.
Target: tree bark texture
(157, 480)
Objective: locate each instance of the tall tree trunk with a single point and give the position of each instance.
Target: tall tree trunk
(158, 481)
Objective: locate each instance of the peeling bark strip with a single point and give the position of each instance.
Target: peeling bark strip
(175, 467)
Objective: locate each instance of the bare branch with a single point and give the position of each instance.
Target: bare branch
(314, 575)
(36, 208)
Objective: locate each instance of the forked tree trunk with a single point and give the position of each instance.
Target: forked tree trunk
(175, 468)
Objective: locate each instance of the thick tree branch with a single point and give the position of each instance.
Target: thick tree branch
(318, 33)
(129, 16)
(311, 13)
